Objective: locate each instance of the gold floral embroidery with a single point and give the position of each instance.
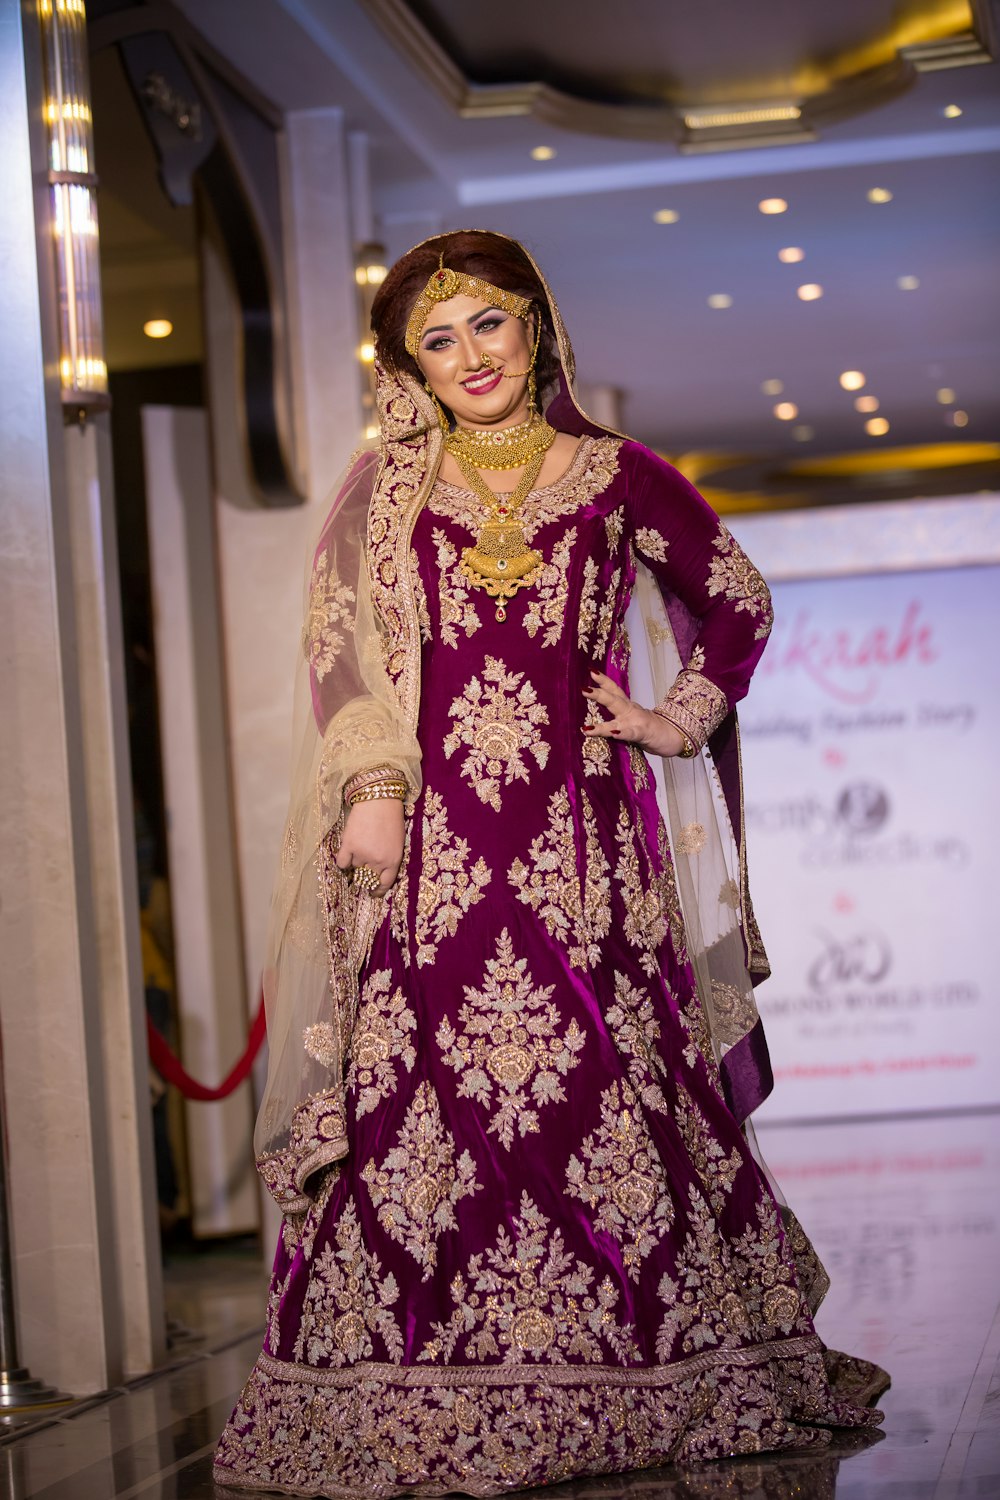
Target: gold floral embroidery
(733, 574)
(692, 838)
(621, 650)
(509, 1039)
(587, 612)
(547, 600)
(601, 617)
(417, 1186)
(596, 748)
(449, 883)
(423, 614)
(735, 1011)
(651, 543)
(696, 661)
(621, 1176)
(531, 1299)
(497, 719)
(320, 1042)
(716, 1170)
(347, 1301)
(763, 1261)
(330, 612)
(613, 525)
(695, 705)
(383, 1035)
(645, 927)
(704, 1305)
(641, 773)
(457, 609)
(636, 1032)
(551, 886)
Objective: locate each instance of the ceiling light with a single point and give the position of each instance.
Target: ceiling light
(876, 426)
(366, 352)
(542, 153)
(879, 195)
(773, 387)
(852, 380)
(866, 403)
(158, 328)
(810, 292)
(946, 395)
(772, 205)
(786, 411)
(720, 299)
(803, 434)
(791, 254)
(371, 432)
(716, 119)
(952, 111)
(907, 283)
(666, 216)
(958, 418)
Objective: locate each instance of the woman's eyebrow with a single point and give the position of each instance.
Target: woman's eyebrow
(447, 327)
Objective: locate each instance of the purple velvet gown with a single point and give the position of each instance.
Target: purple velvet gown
(549, 1251)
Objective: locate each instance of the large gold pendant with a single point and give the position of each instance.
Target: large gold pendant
(501, 562)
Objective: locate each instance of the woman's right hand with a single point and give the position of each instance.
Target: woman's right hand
(373, 836)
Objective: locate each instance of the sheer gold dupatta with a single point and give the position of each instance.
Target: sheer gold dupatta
(356, 704)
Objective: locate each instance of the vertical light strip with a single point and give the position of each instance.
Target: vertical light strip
(73, 188)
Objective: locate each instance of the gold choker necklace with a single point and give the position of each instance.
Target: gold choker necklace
(501, 447)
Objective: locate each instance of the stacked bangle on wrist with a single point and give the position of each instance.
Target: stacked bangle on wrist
(376, 784)
(690, 749)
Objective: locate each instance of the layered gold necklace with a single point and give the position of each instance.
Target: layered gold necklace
(501, 562)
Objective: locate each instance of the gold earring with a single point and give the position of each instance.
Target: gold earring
(442, 419)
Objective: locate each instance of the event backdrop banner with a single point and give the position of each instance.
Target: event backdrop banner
(870, 739)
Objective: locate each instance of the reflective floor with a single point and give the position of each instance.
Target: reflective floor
(906, 1215)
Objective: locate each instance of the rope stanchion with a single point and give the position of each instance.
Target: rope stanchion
(172, 1070)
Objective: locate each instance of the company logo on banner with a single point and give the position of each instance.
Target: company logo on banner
(872, 827)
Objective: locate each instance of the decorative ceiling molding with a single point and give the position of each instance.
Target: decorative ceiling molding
(881, 71)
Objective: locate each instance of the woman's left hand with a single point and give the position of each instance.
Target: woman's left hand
(629, 722)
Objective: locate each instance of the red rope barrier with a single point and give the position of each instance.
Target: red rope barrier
(172, 1070)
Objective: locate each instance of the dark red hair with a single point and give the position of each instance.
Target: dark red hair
(477, 252)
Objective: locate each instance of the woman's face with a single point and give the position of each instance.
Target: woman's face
(456, 336)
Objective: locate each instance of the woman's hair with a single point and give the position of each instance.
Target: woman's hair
(477, 252)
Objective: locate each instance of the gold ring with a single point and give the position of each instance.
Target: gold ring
(366, 879)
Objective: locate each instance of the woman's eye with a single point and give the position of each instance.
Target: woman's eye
(488, 324)
(435, 344)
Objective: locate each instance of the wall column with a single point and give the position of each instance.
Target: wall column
(81, 1180)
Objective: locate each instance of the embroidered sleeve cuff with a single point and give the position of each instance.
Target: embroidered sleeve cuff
(695, 706)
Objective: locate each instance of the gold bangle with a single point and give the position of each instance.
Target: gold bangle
(369, 777)
(690, 749)
(380, 791)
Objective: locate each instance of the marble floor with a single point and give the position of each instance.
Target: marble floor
(906, 1215)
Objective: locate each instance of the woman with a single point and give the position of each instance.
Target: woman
(513, 1044)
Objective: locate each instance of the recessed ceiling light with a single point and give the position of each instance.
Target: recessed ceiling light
(876, 427)
(810, 292)
(852, 380)
(666, 216)
(952, 111)
(803, 434)
(366, 352)
(791, 254)
(907, 283)
(720, 299)
(542, 153)
(879, 195)
(958, 418)
(772, 205)
(946, 395)
(158, 328)
(866, 403)
(786, 411)
(772, 387)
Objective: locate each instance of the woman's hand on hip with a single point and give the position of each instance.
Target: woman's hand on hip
(373, 836)
(629, 722)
